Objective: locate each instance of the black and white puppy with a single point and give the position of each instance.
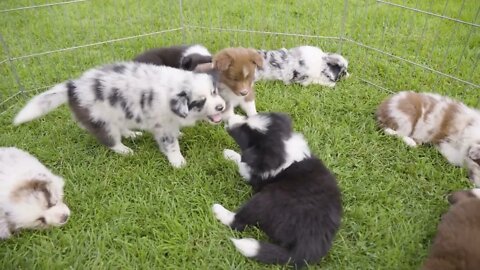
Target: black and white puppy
(111, 100)
(304, 65)
(183, 57)
(297, 202)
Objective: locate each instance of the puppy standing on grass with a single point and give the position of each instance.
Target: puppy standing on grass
(457, 243)
(450, 125)
(304, 65)
(111, 100)
(31, 196)
(297, 202)
(236, 67)
(183, 57)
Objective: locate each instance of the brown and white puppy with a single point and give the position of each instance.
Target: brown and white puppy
(236, 68)
(457, 243)
(31, 196)
(450, 125)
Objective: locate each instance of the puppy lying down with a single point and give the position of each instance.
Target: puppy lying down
(112, 100)
(304, 65)
(296, 200)
(457, 243)
(31, 196)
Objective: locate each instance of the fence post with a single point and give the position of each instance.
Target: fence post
(12, 66)
(344, 19)
(182, 23)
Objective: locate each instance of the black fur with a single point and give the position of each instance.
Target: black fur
(97, 128)
(98, 89)
(299, 208)
(172, 57)
(179, 104)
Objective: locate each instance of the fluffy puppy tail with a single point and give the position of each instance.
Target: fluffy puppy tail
(265, 252)
(43, 104)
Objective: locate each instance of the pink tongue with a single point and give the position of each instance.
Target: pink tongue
(216, 117)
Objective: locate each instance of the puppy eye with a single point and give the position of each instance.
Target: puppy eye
(42, 220)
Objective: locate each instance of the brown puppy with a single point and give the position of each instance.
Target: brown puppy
(457, 244)
(236, 68)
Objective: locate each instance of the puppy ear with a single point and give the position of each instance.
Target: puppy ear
(257, 58)
(203, 68)
(186, 63)
(336, 65)
(222, 61)
(179, 104)
(459, 196)
(29, 187)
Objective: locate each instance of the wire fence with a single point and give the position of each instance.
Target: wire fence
(389, 43)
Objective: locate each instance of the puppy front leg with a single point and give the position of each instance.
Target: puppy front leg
(242, 167)
(4, 229)
(228, 218)
(169, 145)
(249, 107)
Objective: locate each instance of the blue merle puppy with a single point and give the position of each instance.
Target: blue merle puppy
(297, 202)
(304, 65)
(112, 100)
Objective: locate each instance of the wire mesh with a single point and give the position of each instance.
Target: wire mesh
(389, 44)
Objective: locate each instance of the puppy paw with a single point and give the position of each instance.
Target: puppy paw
(133, 134)
(122, 149)
(390, 131)
(235, 120)
(231, 155)
(409, 141)
(177, 161)
(223, 215)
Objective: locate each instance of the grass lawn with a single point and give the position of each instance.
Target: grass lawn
(137, 212)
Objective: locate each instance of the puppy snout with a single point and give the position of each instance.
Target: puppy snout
(64, 218)
(219, 108)
(244, 92)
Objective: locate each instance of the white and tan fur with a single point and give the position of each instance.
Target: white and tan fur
(448, 124)
(31, 196)
(236, 70)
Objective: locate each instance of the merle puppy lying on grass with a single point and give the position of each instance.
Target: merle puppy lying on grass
(297, 202)
(111, 100)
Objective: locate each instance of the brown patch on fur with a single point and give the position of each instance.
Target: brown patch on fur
(232, 64)
(456, 245)
(203, 68)
(383, 115)
(412, 105)
(447, 125)
(29, 187)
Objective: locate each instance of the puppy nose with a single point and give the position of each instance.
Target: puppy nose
(64, 218)
(244, 92)
(219, 107)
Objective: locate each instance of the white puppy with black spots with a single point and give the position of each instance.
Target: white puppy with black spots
(111, 100)
(304, 65)
(31, 196)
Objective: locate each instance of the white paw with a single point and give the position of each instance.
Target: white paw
(177, 161)
(390, 131)
(223, 215)
(249, 247)
(409, 141)
(122, 149)
(231, 155)
(133, 134)
(235, 120)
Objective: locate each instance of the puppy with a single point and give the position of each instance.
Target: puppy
(304, 65)
(456, 245)
(112, 100)
(31, 196)
(297, 202)
(236, 67)
(183, 57)
(451, 126)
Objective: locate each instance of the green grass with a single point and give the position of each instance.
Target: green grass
(137, 212)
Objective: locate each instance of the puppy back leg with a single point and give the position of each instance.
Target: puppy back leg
(4, 229)
(168, 143)
(248, 214)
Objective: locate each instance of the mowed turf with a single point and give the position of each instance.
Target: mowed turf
(137, 212)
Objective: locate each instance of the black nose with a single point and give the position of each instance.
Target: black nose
(64, 218)
(219, 108)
